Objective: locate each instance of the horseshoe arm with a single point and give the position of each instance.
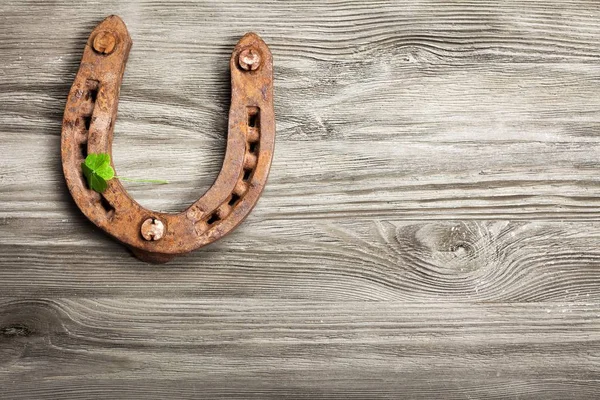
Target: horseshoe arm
(88, 125)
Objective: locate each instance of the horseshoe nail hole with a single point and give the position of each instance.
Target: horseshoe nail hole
(247, 174)
(233, 199)
(253, 116)
(253, 147)
(92, 85)
(213, 218)
(83, 149)
(110, 210)
(87, 121)
(92, 92)
(91, 95)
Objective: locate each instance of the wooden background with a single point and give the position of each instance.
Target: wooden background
(430, 228)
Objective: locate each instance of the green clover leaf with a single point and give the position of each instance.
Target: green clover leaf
(97, 171)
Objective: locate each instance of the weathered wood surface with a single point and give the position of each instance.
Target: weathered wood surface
(430, 228)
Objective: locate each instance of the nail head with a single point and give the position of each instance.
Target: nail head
(249, 59)
(105, 42)
(152, 229)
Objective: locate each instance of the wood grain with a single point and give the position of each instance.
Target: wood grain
(430, 227)
(256, 349)
(346, 180)
(491, 261)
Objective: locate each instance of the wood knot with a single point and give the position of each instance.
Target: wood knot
(461, 248)
(15, 330)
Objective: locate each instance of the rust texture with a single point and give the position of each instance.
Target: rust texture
(88, 124)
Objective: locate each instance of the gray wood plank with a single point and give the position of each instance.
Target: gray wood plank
(148, 348)
(465, 261)
(337, 179)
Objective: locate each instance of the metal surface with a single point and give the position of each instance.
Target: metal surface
(88, 125)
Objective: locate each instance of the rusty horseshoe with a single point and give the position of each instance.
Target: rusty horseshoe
(88, 124)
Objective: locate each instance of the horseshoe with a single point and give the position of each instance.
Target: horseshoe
(88, 124)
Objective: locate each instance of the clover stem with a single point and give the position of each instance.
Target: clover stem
(159, 181)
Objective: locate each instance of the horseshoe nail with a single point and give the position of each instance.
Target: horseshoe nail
(88, 124)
